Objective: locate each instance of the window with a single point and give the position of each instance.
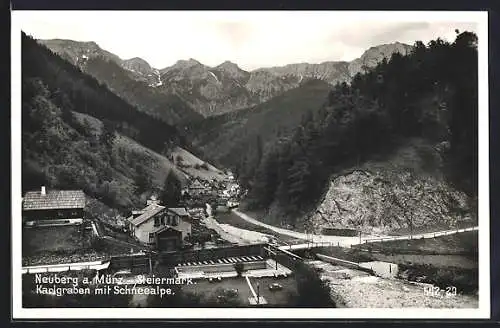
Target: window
(151, 237)
(175, 220)
(157, 221)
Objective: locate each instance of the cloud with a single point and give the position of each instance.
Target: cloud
(235, 33)
(354, 39)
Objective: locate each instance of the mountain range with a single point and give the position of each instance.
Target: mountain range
(189, 88)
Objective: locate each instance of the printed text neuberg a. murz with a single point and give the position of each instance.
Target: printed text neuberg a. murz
(106, 285)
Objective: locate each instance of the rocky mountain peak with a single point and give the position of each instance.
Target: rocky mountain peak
(229, 65)
(374, 55)
(387, 49)
(76, 51)
(187, 63)
(91, 44)
(138, 65)
(232, 69)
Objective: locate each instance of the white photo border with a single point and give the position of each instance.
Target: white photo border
(482, 312)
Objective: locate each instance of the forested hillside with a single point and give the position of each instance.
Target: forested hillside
(74, 90)
(167, 107)
(78, 134)
(130, 79)
(429, 95)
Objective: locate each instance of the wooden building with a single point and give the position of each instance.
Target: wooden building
(161, 227)
(53, 207)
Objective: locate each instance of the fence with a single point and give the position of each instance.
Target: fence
(422, 235)
(344, 263)
(283, 256)
(306, 245)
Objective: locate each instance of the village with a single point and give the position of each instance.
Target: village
(239, 264)
(156, 227)
(59, 235)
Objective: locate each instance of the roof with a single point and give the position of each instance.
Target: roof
(180, 211)
(164, 228)
(196, 185)
(149, 212)
(53, 199)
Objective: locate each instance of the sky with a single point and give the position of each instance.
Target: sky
(249, 39)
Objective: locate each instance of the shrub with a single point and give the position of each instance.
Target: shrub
(239, 267)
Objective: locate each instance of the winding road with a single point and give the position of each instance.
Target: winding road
(343, 241)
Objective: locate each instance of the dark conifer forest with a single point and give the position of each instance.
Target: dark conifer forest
(62, 149)
(430, 94)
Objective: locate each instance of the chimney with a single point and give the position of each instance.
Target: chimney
(43, 191)
(153, 200)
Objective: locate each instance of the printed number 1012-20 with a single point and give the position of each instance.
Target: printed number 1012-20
(450, 291)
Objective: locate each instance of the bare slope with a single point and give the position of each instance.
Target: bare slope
(403, 191)
(195, 167)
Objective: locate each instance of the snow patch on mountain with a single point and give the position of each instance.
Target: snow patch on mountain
(215, 77)
(160, 82)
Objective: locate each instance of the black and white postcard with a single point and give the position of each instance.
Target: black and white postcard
(171, 164)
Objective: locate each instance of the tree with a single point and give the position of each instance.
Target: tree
(143, 181)
(108, 135)
(265, 181)
(311, 290)
(239, 268)
(171, 193)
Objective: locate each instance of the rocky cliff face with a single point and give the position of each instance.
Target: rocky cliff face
(375, 55)
(381, 197)
(209, 90)
(331, 72)
(226, 87)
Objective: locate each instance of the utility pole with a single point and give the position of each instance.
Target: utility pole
(258, 293)
(150, 265)
(411, 227)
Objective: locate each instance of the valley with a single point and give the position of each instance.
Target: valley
(191, 169)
